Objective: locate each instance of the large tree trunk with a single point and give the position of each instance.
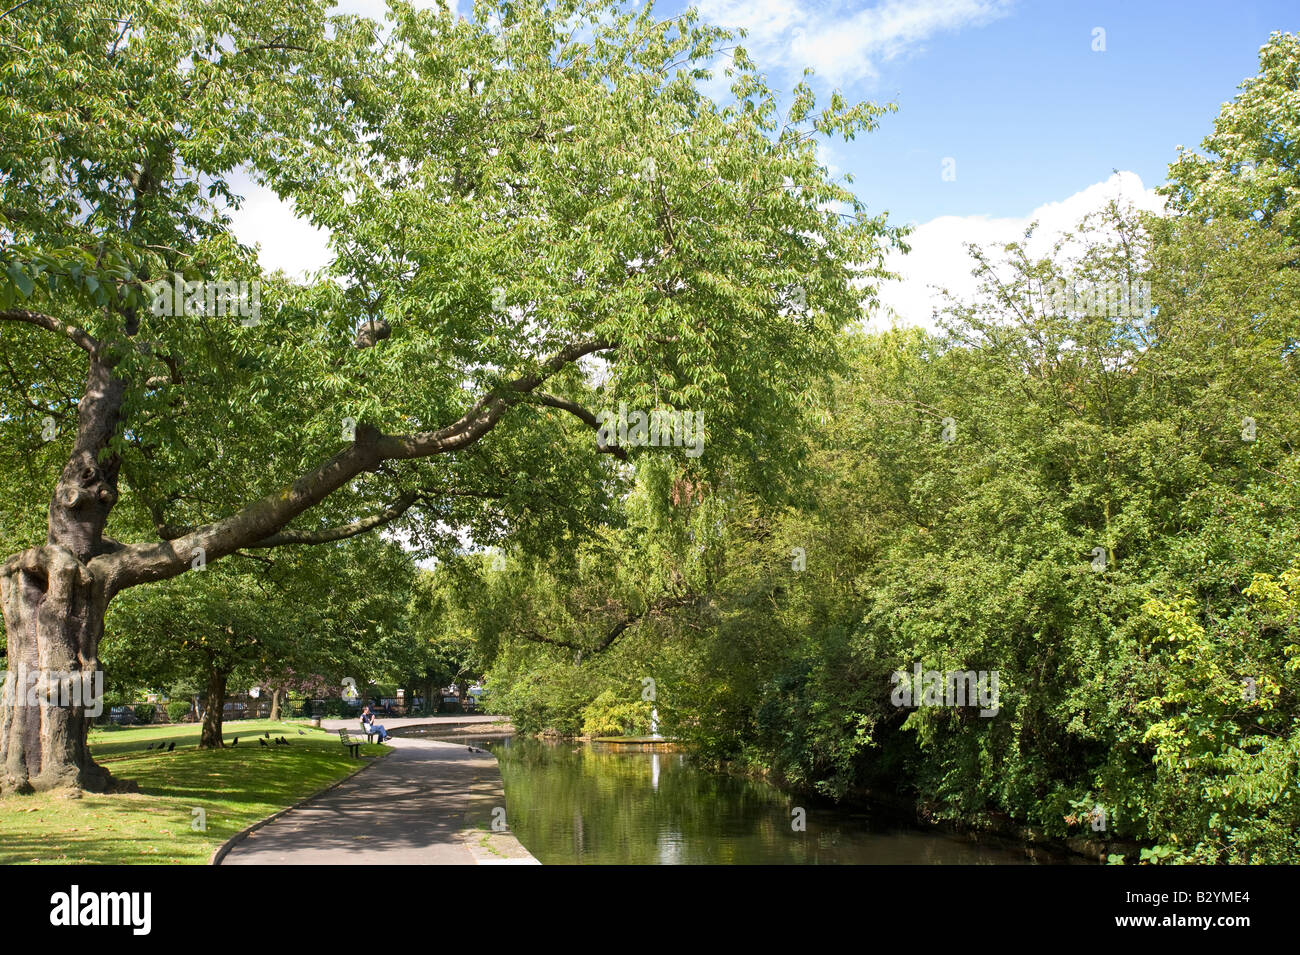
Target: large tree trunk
(54, 617)
(54, 613)
(214, 705)
(275, 704)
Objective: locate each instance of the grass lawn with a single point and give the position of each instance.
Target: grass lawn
(235, 787)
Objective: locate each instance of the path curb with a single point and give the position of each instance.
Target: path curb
(223, 850)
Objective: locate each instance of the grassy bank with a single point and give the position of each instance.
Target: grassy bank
(234, 788)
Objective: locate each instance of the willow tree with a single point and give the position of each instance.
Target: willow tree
(535, 216)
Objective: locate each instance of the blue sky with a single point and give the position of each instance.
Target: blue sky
(1035, 121)
(1013, 92)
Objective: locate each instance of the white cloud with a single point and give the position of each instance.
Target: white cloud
(844, 42)
(939, 256)
(284, 240)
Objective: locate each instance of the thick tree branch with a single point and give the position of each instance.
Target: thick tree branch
(266, 517)
(83, 341)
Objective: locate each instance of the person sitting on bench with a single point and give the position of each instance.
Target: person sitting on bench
(370, 726)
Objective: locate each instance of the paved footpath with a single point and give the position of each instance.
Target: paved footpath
(428, 803)
(390, 723)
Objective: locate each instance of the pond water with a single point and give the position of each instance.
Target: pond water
(580, 803)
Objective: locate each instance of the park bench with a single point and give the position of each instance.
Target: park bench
(353, 745)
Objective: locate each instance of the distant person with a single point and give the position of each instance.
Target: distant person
(370, 726)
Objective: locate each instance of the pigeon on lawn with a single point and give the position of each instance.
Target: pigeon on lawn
(262, 741)
(302, 732)
(266, 735)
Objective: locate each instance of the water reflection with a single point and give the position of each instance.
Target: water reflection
(575, 803)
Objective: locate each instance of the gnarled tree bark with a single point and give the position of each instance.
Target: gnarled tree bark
(54, 618)
(54, 604)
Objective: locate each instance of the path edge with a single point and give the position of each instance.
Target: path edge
(223, 850)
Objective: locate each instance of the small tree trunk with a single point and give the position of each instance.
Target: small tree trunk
(275, 704)
(213, 706)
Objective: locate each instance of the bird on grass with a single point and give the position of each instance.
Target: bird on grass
(266, 735)
(302, 732)
(170, 747)
(236, 742)
(281, 742)
(150, 746)
(262, 741)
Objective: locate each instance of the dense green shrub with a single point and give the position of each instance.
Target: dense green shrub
(607, 715)
(178, 710)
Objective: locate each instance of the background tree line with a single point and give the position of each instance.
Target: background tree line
(1102, 508)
